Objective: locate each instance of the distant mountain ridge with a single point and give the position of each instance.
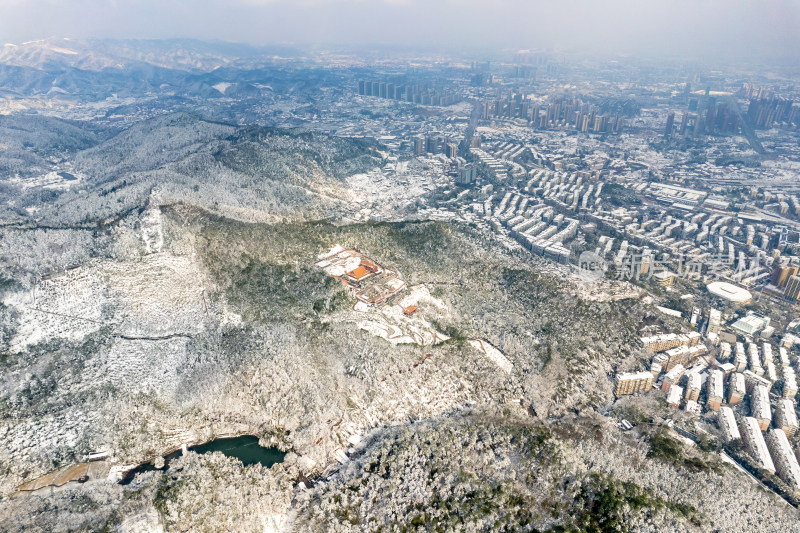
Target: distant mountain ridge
(100, 69)
(173, 54)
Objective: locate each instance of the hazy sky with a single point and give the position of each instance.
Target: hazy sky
(677, 27)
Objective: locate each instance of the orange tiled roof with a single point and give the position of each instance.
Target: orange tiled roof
(359, 273)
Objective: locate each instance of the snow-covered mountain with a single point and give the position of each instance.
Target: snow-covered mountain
(100, 69)
(49, 54)
(97, 55)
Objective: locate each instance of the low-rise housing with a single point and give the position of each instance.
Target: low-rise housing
(655, 368)
(693, 383)
(715, 389)
(659, 343)
(784, 354)
(715, 323)
(632, 383)
(726, 368)
(672, 377)
(786, 417)
(674, 396)
(759, 407)
(740, 358)
(727, 424)
(754, 360)
(766, 351)
(783, 458)
(789, 383)
(789, 340)
(752, 380)
(754, 443)
(693, 407)
(684, 355)
(772, 373)
(725, 350)
(736, 388)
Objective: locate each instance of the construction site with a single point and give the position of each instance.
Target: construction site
(370, 283)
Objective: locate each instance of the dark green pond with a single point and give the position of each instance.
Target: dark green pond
(245, 449)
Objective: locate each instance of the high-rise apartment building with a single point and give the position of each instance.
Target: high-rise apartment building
(467, 174)
(792, 290)
(684, 123)
(419, 145)
(670, 124)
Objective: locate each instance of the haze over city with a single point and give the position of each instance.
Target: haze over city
(702, 30)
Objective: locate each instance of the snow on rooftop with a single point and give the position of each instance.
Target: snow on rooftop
(729, 291)
(352, 263)
(335, 270)
(333, 251)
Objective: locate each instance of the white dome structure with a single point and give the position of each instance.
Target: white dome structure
(729, 292)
